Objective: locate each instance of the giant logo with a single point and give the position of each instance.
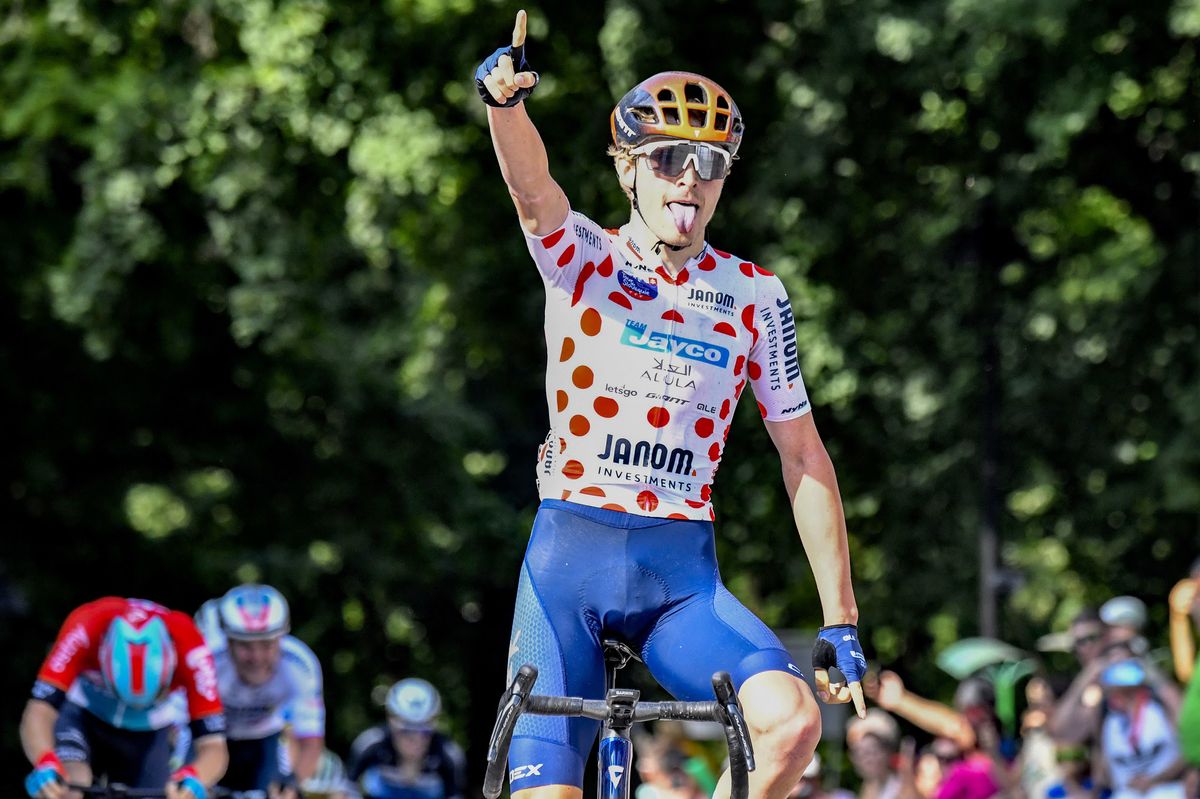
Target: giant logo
(639, 335)
(643, 453)
(636, 287)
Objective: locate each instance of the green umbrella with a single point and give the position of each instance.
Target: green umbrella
(966, 657)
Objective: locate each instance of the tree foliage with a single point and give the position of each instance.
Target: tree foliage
(268, 313)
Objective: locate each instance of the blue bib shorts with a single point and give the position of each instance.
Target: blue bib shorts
(591, 574)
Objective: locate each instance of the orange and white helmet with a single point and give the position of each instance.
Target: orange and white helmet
(677, 105)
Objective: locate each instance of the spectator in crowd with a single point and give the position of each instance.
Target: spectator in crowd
(873, 743)
(890, 693)
(1125, 617)
(666, 772)
(1184, 613)
(966, 773)
(811, 784)
(408, 756)
(1072, 777)
(1076, 715)
(1139, 744)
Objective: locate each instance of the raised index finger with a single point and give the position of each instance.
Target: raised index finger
(519, 29)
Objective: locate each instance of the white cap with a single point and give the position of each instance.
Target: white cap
(1124, 611)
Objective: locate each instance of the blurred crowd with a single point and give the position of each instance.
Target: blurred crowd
(1124, 724)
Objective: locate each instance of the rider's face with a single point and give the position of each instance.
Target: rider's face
(658, 195)
(255, 661)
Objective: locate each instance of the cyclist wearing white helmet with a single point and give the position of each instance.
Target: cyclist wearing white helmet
(102, 704)
(408, 758)
(653, 336)
(270, 681)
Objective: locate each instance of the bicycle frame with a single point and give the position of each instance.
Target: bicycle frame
(619, 711)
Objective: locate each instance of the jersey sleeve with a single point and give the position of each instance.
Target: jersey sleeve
(196, 674)
(76, 649)
(774, 356)
(563, 256)
(306, 710)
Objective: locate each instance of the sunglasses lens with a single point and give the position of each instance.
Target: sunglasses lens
(671, 161)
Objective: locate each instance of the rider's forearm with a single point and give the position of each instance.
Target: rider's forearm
(37, 728)
(308, 757)
(817, 507)
(212, 758)
(1183, 646)
(541, 204)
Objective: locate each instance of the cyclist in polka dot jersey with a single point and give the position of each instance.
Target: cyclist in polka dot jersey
(652, 338)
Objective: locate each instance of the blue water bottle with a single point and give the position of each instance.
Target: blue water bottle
(616, 760)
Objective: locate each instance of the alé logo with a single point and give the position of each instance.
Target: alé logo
(639, 335)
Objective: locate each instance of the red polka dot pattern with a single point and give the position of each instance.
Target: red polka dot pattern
(582, 377)
(748, 317)
(553, 238)
(580, 425)
(714, 453)
(755, 371)
(561, 396)
(704, 427)
(747, 269)
(762, 409)
(673, 316)
(647, 501)
(615, 506)
(621, 299)
(739, 366)
(589, 323)
(606, 407)
(707, 263)
(724, 328)
(606, 267)
(581, 281)
(592, 491)
(568, 349)
(567, 256)
(724, 409)
(658, 417)
(572, 470)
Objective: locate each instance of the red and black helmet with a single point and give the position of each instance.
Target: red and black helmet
(677, 105)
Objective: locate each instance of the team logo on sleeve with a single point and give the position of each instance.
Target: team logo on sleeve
(636, 287)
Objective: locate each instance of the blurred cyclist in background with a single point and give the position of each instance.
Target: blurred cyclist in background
(407, 757)
(269, 681)
(100, 704)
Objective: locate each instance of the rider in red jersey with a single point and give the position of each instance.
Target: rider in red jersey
(652, 337)
(101, 706)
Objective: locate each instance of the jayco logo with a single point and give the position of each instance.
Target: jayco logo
(643, 453)
(639, 335)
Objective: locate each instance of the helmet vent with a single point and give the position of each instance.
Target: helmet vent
(697, 117)
(645, 115)
(671, 115)
(666, 96)
(722, 102)
(721, 122)
(694, 93)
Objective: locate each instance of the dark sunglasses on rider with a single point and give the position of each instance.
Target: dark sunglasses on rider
(671, 158)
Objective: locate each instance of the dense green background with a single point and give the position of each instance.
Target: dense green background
(267, 312)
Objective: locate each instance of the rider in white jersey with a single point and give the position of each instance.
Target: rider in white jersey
(652, 337)
(270, 681)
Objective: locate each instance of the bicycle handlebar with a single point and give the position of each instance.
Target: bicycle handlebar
(116, 790)
(518, 699)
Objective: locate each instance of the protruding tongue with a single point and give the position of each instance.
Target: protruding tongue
(685, 216)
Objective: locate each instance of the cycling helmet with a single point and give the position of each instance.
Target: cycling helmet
(414, 702)
(251, 612)
(137, 660)
(208, 620)
(677, 105)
